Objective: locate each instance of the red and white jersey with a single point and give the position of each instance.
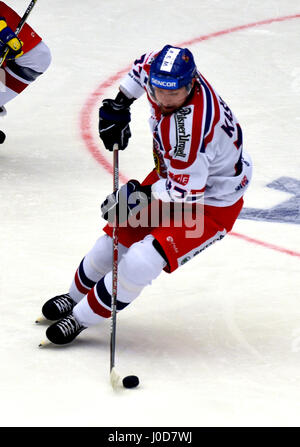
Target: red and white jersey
(198, 149)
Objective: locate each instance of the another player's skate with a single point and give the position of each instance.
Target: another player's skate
(63, 331)
(2, 134)
(3, 111)
(56, 308)
(2, 137)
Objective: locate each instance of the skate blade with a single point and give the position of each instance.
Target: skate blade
(114, 379)
(43, 321)
(40, 319)
(44, 343)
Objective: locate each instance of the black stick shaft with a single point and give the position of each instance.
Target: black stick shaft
(115, 265)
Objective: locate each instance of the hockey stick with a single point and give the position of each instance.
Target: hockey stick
(114, 377)
(19, 27)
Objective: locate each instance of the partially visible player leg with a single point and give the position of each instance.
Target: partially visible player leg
(142, 263)
(20, 73)
(92, 268)
(137, 268)
(3, 113)
(17, 73)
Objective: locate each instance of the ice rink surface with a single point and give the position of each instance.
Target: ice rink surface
(217, 343)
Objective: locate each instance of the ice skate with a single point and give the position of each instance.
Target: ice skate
(2, 137)
(56, 308)
(2, 114)
(63, 331)
(3, 111)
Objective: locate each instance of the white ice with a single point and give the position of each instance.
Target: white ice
(217, 343)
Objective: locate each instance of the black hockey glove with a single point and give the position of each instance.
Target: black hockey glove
(126, 201)
(8, 39)
(114, 119)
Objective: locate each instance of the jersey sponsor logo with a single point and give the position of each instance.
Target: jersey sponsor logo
(188, 256)
(182, 179)
(285, 212)
(183, 121)
(171, 241)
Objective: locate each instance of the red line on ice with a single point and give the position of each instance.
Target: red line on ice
(94, 146)
(265, 244)
(239, 28)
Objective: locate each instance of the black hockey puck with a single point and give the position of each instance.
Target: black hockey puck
(2, 137)
(130, 381)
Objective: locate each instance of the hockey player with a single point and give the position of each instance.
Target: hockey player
(199, 155)
(27, 59)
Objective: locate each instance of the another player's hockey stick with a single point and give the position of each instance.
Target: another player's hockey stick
(114, 377)
(19, 27)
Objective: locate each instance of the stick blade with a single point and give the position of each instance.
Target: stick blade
(115, 379)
